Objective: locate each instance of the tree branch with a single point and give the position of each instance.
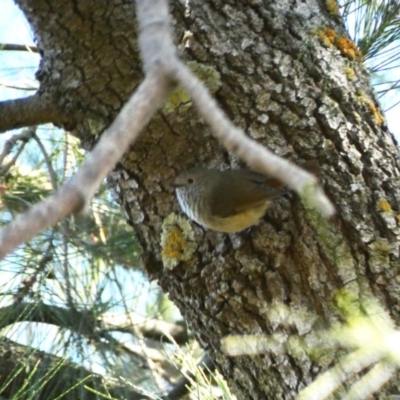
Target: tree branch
(254, 154)
(28, 111)
(76, 193)
(18, 47)
(149, 328)
(158, 49)
(90, 323)
(24, 137)
(47, 161)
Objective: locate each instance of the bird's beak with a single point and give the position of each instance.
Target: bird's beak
(175, 185)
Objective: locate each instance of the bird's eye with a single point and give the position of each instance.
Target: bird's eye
(190, 180)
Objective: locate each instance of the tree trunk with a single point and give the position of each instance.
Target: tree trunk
(276, 71)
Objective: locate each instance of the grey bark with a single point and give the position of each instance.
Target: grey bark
(279, 82)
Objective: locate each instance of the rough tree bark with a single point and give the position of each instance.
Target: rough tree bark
(277, 72)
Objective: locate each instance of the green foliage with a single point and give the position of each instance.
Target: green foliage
(72, 275)
(375, 28)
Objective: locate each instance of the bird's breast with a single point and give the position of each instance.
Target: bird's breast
(237, 222)
(190, 207)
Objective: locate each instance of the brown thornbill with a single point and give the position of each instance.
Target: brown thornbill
(225, 201)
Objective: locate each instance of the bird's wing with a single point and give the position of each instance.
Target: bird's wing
(255, 190)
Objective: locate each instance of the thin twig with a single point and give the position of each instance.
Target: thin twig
(10, 143)
(7, 167)
(76, 193)
(18, 47)
(254, 154)
(65, 159)
(157, 48)
(47, 161)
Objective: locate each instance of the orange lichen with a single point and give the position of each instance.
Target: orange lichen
(379, 118)
(383, 205)
(175, 243)
(327, 35)
(346, 46)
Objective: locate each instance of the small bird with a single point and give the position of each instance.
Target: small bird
(225, 201)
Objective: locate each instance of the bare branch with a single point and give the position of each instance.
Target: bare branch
(47, 161)
(9, 144)
(254, 154)
(28, 111)
(18, 47)
(77, 192)
(150, 328)
(94, 324)
(157, 48)
(155, 35)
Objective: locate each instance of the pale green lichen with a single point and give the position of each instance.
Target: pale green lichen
(350, 73)
(347, 303)
(329, 238)
(179, 99)
(379, 255)
(333, 7)
(177, 241)
(383, 205)
(382, 245)
(207, 74)
(95, 125)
